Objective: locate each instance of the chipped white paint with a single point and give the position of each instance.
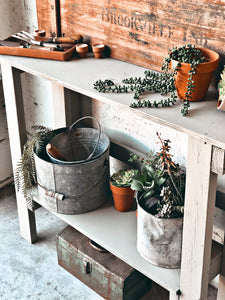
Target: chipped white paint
(14, 17)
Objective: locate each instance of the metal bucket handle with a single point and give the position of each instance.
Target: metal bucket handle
(99, 127)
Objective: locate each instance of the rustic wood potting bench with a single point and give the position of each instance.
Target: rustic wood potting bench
(201, 259)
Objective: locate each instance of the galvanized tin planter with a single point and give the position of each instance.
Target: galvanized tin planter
(75, 188)
(159, 240)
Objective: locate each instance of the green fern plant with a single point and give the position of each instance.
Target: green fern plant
(25, 174)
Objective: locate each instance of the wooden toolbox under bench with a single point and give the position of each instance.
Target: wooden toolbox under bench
(103, 272)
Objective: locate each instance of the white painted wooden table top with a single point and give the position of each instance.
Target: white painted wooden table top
(204, 119)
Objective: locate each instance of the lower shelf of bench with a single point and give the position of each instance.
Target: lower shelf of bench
(117, 232)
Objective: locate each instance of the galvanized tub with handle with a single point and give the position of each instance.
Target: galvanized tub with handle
(79, 186)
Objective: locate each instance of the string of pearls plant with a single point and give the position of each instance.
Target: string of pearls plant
(163, 83)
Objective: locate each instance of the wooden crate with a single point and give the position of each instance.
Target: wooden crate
(139, 32)
(106, 274)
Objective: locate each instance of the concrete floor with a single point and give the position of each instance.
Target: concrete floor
(31, 271)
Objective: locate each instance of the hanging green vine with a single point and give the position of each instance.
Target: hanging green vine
(163, 83)
(25, 174)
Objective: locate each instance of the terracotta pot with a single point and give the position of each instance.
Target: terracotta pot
(98, 50)
(122, 197)
(39, 32)
(82, 50)
(201, 79)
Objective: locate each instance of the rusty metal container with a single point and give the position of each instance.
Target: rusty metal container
(159, 240)
(79, 187)
(103, 272)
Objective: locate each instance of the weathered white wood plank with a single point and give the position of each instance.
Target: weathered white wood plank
(17, 137)
(198, 221)
(173, 296)
(58, 105)
(218, 161)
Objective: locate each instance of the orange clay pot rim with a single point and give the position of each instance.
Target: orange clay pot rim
(81, 46)
(213, 60)
(98, 47)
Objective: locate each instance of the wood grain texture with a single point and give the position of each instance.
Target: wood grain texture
(141, 31)
(218, 161)
(17, 136)
(48, 16)
(198, 221)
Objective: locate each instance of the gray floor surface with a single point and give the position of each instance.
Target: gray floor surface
(31, 271)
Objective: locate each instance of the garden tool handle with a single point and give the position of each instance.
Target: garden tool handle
(99, 127)
(68, 39)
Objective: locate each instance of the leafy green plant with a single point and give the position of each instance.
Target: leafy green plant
(162, 83)
(123, 178)
(162, 178)
(25, 174)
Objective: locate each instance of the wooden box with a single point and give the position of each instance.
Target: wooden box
(140, 32)
(103, 272)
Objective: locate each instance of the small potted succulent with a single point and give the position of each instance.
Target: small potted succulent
(187, 70)
(123, 195)
(160, 190)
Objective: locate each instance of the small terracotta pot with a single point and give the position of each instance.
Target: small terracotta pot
(82, 50)
(39, 32)
(122, 197)
(98, 50)
(202, 77)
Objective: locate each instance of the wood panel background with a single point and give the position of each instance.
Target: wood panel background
(48, 15)
(141, 31)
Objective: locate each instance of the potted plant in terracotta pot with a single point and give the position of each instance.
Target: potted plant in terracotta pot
(120, 186)
(160, 201)
(187, 70)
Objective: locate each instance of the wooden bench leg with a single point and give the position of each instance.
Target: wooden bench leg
(198, 221)
(17, 137)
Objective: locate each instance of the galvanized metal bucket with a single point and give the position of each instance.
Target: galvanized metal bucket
(78, 145)
(75, 188)
(159, 240)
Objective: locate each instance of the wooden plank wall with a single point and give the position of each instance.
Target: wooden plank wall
(48, 15)
(141, 31)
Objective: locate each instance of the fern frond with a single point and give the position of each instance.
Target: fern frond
(25, 173)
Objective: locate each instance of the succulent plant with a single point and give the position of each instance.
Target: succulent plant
(123, 178)
(163, 83)
(162, 178)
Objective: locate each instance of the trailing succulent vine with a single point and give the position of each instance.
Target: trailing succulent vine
(25, 174)
(162, 83)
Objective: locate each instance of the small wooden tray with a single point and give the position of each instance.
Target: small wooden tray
(47, 54)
